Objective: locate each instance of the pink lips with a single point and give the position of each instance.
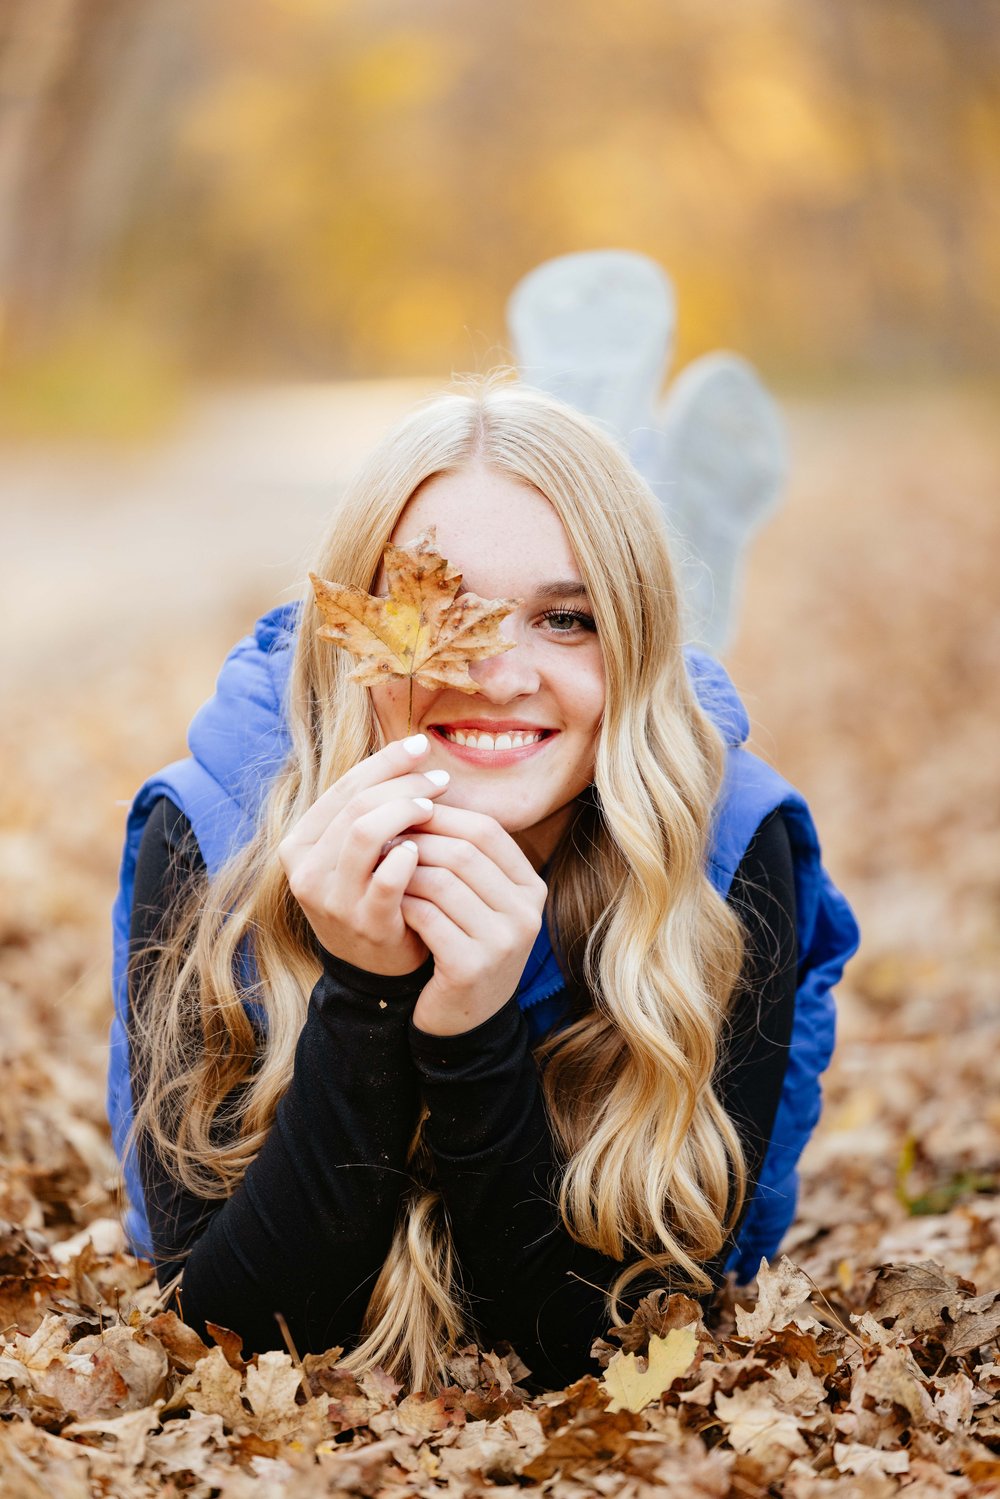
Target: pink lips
(493, 726)
(487, 757)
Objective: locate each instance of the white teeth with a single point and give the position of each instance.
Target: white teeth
(503, 741)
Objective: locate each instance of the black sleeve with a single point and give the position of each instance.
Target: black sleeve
(308, 1229)
(527, 1280)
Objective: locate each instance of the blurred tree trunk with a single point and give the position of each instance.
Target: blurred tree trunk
(34, 45)
(87, 91)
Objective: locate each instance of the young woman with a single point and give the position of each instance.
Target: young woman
(479, 1025)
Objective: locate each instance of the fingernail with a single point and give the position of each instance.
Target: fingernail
(408, 843)
(437, 777)
(425, 802)
(416, 744)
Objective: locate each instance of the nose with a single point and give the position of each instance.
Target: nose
(511, 674)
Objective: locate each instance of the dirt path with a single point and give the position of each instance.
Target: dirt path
(112, 550)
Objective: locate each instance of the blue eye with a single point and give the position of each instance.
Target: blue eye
(565, 621)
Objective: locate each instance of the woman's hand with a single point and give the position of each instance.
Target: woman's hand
(477, 903)
(333, 858)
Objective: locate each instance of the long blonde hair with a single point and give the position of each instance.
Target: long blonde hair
(652, 1163)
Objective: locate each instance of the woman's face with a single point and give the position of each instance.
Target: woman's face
(548, 692)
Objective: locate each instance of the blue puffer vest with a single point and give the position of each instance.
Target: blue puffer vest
(238, 741)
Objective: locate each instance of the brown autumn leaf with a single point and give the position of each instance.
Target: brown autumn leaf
(797, 1348)
(911, 1298)
(583, 1396)
(657, 1312)
(926, 1299)
(801, 1392)
(893, 1380)
(475, 1450)
(598, 1437)
(350, 1409)
(214, 1388)
(420, 1416)
(183, 1345)
(25, 1299)
(485, 1381)
(378, 1385)
(231, 1344)
(854, 1457)
(85, 1385)
(140, 1360)
(186, 1446)
(421, 631)
(129, 1432)
(755, 1424)
(271, 1387)
(954, 1400)
(37, 1351)
(781, 1294)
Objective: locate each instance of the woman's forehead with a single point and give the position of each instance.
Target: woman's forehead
(503, 535)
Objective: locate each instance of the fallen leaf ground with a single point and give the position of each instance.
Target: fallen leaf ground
(868, 659)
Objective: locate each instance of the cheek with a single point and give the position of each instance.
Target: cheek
(585, 712)
(389, 703)
(589, 700)
(593, 708)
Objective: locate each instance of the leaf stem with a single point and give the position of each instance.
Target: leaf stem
(409, 710)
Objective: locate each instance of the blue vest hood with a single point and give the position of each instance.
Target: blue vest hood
(239, 740)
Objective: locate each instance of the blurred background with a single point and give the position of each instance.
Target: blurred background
(307, 189)
(237, 239)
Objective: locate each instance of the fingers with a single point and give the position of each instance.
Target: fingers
(500, 918)
(352, 847)
(393, 763)
(440, 934)
(326, 840)
(438, 854)
(453, 897)
(333, 858)
(389, 880)
(471, 944)
(363, 838)
(489, 837)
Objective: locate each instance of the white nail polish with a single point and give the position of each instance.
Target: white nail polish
(437, 777)
(408, 843)
(416, 744)
(424, 802)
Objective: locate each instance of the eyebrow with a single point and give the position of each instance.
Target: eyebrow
(562, 588)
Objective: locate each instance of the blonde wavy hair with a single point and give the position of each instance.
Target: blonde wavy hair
(652, 1165)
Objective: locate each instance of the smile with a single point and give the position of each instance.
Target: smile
(473, 740)
(478, 746)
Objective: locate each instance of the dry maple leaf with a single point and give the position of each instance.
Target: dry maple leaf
(755, 1425)
(632, 1388)
(422, 631)
(657, 1312)
(855, 1457)
(782, 1293)
(926, 1299)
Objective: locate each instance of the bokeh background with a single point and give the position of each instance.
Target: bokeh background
(317, 188)
(332, 188)
(237, 239)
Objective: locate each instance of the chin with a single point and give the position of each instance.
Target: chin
(511, 819)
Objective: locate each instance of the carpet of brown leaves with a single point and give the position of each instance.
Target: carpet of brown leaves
(869, 1364)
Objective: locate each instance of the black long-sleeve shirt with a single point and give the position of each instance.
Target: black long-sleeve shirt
(308, 1229)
